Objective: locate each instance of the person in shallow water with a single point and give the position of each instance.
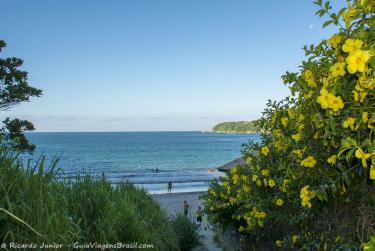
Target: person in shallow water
(170, 187)
(186, 208)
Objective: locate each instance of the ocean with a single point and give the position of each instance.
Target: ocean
(148, 159)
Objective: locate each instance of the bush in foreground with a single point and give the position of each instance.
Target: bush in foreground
(310, 186)
(186, 231)
(36, 207)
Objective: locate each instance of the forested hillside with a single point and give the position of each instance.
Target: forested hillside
(236, 127)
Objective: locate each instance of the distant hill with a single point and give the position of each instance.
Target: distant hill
(236, 127)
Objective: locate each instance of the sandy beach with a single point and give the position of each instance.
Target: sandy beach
(173, 204)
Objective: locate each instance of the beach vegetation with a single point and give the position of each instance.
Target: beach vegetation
(311, 185)
(38, 206)
(186, 231)
(15, 89)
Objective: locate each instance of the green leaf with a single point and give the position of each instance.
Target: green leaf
(327, 7)
(318, 2)
(340, 12)
(21, 221)
(349, 154)
(327, 23)
(372, 62)
(334, 17)
(320, 13)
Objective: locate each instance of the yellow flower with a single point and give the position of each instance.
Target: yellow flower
(291, 113)
(372, 172)
(360, 154)
(246, 189)
(335, 40)
(359, 96)
(255, 177)
(265, 150)
(249, 160)
(286, 182)
(349, 122)
(265, 172)
(262, 215)
(324, 99)
(337, 103)
(279, 243)
(271, 183)
(351, 45)
(328, 100)
(298, 152)
(357, 61)
(296, 137)
(349, 15)
(332, 160)
(338, 69)
(308, 76)
(308, 162)
(277, 132)
(294, 238)
(365, 117)
(364, 82)
(309, 94)
(279, 202)
(259, 183)
(306, 196)
(284, 121)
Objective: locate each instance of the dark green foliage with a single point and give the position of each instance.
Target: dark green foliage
(186, 232)
(15, 89)
(236, 127)
(13, 134)
(146, 216)
(83, 210)
(30, 193)
(14, 86)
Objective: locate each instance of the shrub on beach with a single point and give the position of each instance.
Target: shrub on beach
(310, 185)
(36, 207)
(186, 231)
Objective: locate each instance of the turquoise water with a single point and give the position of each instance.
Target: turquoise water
(181, 157)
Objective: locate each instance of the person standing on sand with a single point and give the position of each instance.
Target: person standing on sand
(186, 208)
(199, 215)
(170, 187)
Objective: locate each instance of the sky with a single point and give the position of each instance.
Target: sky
(144, 65)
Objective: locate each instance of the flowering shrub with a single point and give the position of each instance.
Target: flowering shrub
(309, 183)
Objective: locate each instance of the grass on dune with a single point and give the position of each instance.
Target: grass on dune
(36, 207)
